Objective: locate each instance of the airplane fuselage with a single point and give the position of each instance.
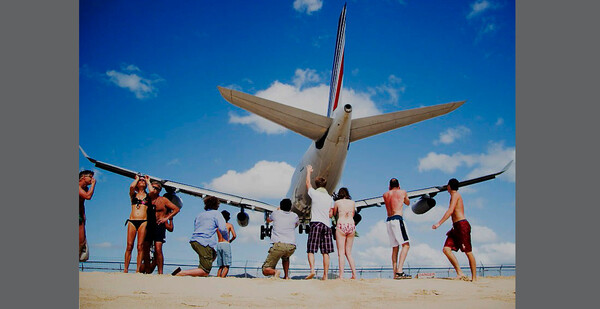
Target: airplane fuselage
(327, 157)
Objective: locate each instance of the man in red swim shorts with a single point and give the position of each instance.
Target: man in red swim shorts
(459, 237)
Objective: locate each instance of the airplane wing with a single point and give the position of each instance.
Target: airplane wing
(173, 186)
(428, 192)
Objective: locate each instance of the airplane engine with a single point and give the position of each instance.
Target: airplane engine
(174, 199)
(423, 205)
(243, 219)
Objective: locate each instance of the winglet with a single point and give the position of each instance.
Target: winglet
(86, 155)
(506, 167)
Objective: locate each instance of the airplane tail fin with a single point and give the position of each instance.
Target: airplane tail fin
(369, 126)
(298, 120)
(337, 72)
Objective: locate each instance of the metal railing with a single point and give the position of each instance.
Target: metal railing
(301, 272)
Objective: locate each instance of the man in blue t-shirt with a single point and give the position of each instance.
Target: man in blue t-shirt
(202, 240)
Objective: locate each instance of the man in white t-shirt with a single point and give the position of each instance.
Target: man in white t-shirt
(283, 238)
(321, 211)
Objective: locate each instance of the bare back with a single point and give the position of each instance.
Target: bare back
(345, 209)
(394, 200)
(229, 228)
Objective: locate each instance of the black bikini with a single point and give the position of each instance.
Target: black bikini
(138, 202)
(135, 223)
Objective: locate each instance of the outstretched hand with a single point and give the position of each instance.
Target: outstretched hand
(309, 168)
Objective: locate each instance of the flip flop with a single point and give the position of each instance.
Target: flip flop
(402, 275)
(176, 271)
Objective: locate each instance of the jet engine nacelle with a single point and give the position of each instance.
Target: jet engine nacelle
(174, 199)
(423, 205)
(243, 219)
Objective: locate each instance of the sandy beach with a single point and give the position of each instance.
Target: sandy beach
(118, 290)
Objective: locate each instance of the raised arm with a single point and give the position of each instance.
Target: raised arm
(406, 200)
(133, 185)
(88, 194)
(453, 202)
(309, 170)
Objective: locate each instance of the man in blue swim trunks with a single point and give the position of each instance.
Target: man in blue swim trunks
(224, 246)
(394, 200)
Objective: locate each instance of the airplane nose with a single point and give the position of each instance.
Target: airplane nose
(348, 108)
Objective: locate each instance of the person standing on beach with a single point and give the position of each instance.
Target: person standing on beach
(394, 200)
(319, 235)
(345, 208)
(459, 237)
(202, 241)
(160, 213)
(224, 246)
(283, 239)
(87, 184)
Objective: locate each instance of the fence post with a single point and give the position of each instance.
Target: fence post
(245, 272)
(482, 269)
(501, 270)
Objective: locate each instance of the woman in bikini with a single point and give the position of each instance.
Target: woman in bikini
(344, 207)
(137, 222)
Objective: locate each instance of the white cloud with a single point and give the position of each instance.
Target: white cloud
(142, 87)
(495, 254)
(452, 134)
(486, 163)
(431, 216)
(308, 5)
(478, 7)
(265, 179)
(105, 244)
(392, 88)
(311, 98)
(303, 77)
(174, 162)
(500, 121)
(483, 234)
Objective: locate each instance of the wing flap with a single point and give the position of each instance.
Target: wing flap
(298, 120)
(369, 126)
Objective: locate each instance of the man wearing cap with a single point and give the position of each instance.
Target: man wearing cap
(459, 237)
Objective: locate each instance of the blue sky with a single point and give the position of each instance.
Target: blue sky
(148, 101)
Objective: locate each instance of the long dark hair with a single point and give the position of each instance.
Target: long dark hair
(342, 194)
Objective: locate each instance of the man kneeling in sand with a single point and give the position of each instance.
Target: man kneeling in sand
(460, 234)
(283, 238)
(202, 240)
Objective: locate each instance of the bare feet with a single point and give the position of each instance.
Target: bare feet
(310, 276)
(277, 273)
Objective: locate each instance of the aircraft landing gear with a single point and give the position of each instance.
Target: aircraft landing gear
(265, 230)
(305, 227)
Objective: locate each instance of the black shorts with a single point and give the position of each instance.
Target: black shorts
(156, 233)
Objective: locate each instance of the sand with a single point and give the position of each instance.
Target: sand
(118, 290)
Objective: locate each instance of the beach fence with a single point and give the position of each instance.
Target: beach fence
(250, 269)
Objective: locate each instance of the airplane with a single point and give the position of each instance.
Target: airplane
(330, 137)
